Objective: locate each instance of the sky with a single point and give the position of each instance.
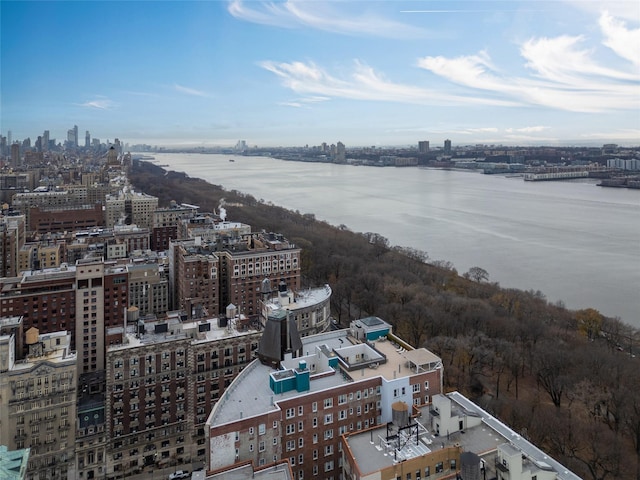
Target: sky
(303, 72)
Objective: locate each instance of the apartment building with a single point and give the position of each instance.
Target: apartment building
(12, 238)
(38, 402)
(452, 437)
(162, 381)
(244, 265)
(296, 407)
(126, 208)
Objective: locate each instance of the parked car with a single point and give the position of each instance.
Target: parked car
(179, 474)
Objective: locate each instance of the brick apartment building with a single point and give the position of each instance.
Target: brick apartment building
(323, 386)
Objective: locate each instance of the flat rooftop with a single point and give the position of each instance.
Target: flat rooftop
(373, 452)
(279, 471)
(250, 393)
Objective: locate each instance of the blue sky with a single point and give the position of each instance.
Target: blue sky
(306, 72)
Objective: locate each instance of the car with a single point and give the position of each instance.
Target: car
(179, 474)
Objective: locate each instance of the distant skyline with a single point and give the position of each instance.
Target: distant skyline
(287, 73)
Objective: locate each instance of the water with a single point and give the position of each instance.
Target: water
(574, 241)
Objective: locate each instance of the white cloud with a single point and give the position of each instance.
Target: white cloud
(321, 16)
(99, 104)
(190, 91)
(624, 42)
(563, 75)
(535, 129)
(364, 83)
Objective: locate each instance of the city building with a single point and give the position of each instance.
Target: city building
(128, 208)
(162, 380)
(38, 402)
(275, 471)
(244, 264)
(451, 437)
(12, 238)
(310, 309)
(302, 394)
(447, 147)
(423, 146)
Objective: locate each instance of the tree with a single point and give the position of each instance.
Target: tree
(477, 274)
(589, 322)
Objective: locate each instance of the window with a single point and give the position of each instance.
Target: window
(300, 426)
(300, 442)
(427, 471)
(342, 399)
(275, 424)
(439, 467)
(251, 430)
(275, 440)
(300, 410)
(261, 446)
(452, 466)
(262, 428)
(426, 385)
(291, 412)
(315, 421)
(291, 428)
(328, 418)
(416, 388)
(291, 445)
(315, 454)
(328, 402)
(329, 433)
(328, 466)
(314, 407)
(328, 450)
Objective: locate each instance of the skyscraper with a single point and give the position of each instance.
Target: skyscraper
(447, 146)
(87, 139)
(423, 146)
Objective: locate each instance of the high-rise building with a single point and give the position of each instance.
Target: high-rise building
(341, 155)
(164, 378)
(75, 135)
(130, 208)
(12, 238)
(15, 154)
(87, 139)
(45, 141)
(447, 146)
(423, 146)
(38, 401)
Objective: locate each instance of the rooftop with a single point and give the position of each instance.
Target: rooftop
(375, 449)
(250, 393)
(175, 327)
(278, 471)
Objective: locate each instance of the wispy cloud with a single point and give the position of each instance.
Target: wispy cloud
(304, 102)
(191, 91)
(363, 83)
(321, 16)
(624, 42)
(563, 74)
(99, 104)
(535, 129)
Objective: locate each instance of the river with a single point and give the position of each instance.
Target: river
(574, 241)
